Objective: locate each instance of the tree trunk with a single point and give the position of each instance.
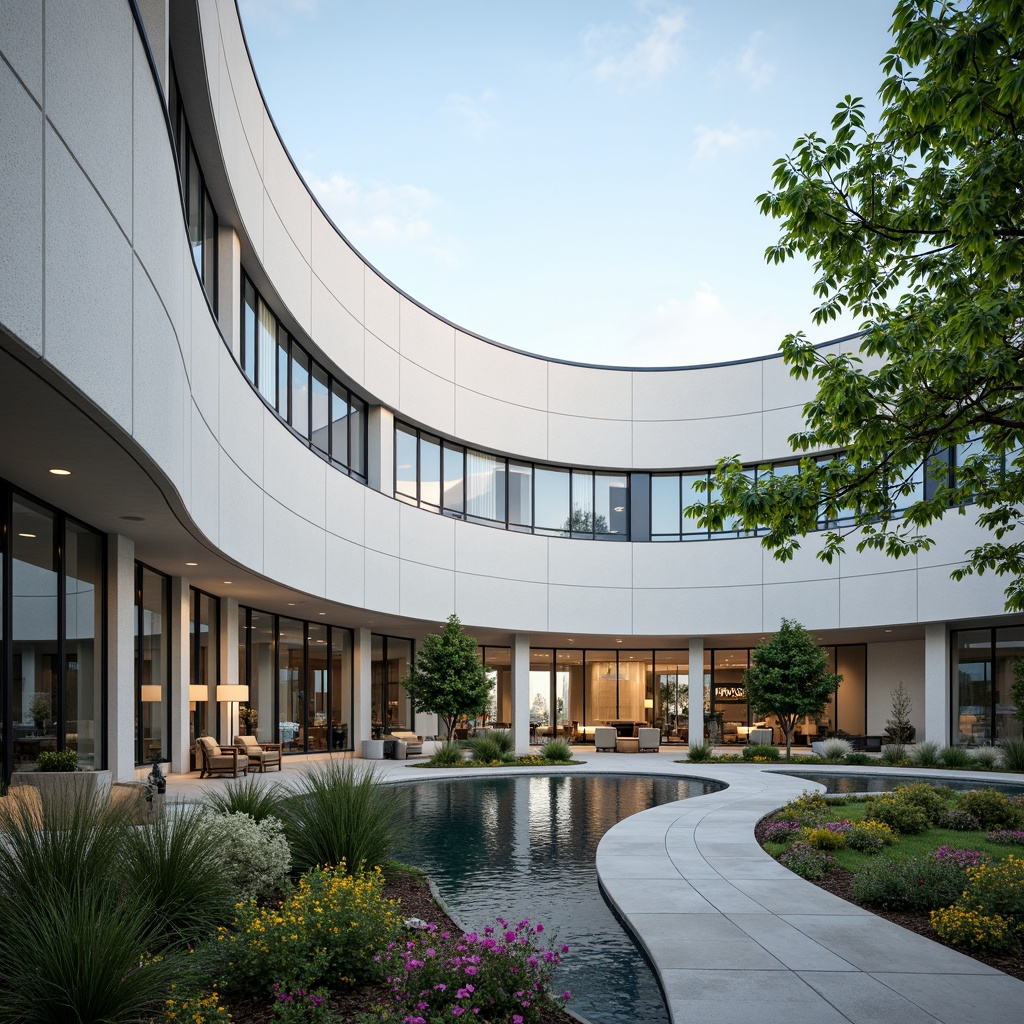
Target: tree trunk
(787, 727)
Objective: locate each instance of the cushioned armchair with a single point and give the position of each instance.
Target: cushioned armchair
(604, 738)
(649, 739)
(217, 760)
(261, 755)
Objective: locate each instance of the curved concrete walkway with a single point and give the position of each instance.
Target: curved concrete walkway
(734, 936)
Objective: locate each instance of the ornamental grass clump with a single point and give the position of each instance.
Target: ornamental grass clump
(556, 752)
(925, 755)
(248, 795)
(503, 975)
(894, 755)
(836, 749)
(448, 755)
(326, 931)
(1011, 751)
(700, 752)
(761, 752)
(987, 758)
(492, 749)
(956, 757)
(341, 816)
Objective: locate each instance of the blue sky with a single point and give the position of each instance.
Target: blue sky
(573, 179)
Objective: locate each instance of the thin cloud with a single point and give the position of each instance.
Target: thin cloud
(709, 142)
(748, 66)
(646, 60)
(472, 112)
(378, 212)
(277, 15)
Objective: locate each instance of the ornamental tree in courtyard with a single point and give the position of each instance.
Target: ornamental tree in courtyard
(789, 678)
(447, 678)
(913, 218)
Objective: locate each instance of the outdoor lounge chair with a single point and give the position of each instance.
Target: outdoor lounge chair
(217, 760)
(261, 755)
(649, 739)
(604, 738)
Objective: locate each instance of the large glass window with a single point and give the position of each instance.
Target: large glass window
(672, 694)
(611, 506)
(485, 486)
(551, 514)
(54, 629)
(390, 663)
(204, 661)
(300, 391)
(982, 675)
(430, 472)
(152, 664)
(318, 675)
(405, 463)
(342, 735)
(520, 495)
(291, 691)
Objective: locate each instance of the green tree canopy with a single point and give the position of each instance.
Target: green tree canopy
(789, 678)
(916, 227)
(447, 678)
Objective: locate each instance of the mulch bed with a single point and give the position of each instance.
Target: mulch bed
(350, 1006)
(839, 882)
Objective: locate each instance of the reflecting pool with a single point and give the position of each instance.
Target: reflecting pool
(839, 783)
(524, 847)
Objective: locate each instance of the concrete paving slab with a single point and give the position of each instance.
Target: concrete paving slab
(725, 897)
(874, 945)
(738, 997)
(865, 1000)
(707, 941)
(792, 947)
(794, 896)
(670, 897)
(992, 999)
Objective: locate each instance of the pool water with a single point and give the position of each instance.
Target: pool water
(839, 783)
(524, 847)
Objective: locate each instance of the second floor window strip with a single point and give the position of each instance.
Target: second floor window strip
(319, 408)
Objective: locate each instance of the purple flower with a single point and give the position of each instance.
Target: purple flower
(457, 1010)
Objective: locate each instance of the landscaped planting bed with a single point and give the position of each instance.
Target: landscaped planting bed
(947, 865)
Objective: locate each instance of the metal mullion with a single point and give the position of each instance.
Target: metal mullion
(137, 687)
(330, 688)
(305, 686)
(7, 668)
(59, 551)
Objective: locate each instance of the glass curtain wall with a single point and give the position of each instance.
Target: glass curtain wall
(672, 694)
(390, 663)
(328, 416)
(498, 663)
(204, 662)
(53, 615)
(983, 663)
(291, 684)
(152, 665)
(261, 658)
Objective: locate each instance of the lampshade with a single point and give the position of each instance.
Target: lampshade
(151, 694)
(198, 693)
(232, 691)
(648, 702)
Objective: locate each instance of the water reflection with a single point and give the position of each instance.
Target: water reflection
(884, 783)
(525, 847)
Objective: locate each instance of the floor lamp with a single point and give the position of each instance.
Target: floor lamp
(232, 694)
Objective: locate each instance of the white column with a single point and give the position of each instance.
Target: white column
(227, 711)
(696, 675)
(181, 673)
(362, 697)
(380, 443)
(521, 692)
(936, 683)
(121, 658)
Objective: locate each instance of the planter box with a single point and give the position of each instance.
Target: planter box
(61, 785)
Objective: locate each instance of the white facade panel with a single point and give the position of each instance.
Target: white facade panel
(382, 517)
(500, 426)
(293, 475)
(340, 269)
(346, 572)
(588, 392)
(204, 366)
(21, 42)
(243, 419)
(294, 550)
(204, 462)
(426, 340)
(241, 516)
(487, 602)
(588, 563)
(382, 581)
(425, 589)
(426, 539)
(238, 72)
(337, 332)
(346, 507)
(88, 320)
(427, 398)
(490, 370)
(21, 198)
(590, 609)
(885, 597)
(287, 194)
(89, 55)
(286, 267)
(240, 164)
(582, 441)
(697, 443)
(813, 603)
(381, 305)
(500, 554)
(380, 370)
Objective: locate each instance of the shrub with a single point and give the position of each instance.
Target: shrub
(807, 862)
(487, 749)
(958, 821)
(327, 930)
(700, 752)
(835, 748)
(806, 808)
(761, 752)
(194, 1007)
(893, 755)
(929, 798)
(556, 752)
(781, 831)
(925, 754)
(901, 815)
(987, 757)
(991, 808)
(301, 1007)
(909, 883)
(341, 815)
(1006, 837)
(503, 975)
(248, 795)
(870, 837)
(997, 889)
(448, 755)
(825, 838)
(964, 858)
(858, 757)
(1012, 754)
(57, 761)
(955, 757)
(256, 854)
(175, 867)
(971, 929)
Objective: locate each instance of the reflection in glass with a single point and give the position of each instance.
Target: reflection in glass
(317, 687)
(300, 391)
(551, 501)
(341, 689)
(520, 494)
(454, 471)
(405, 462)
(581, 518)
(319, 401)
(430, 471)
(611, 505)
(291, 692)
(152, 663)
(485, 486)
(266, 346)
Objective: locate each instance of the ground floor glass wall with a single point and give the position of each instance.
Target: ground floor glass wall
(983, 672)
(152, 665)
(390, 664)
(52, 600)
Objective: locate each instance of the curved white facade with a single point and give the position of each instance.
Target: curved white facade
(115, 366)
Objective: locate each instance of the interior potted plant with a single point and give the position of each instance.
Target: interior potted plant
(39, 710)
(248, 719)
